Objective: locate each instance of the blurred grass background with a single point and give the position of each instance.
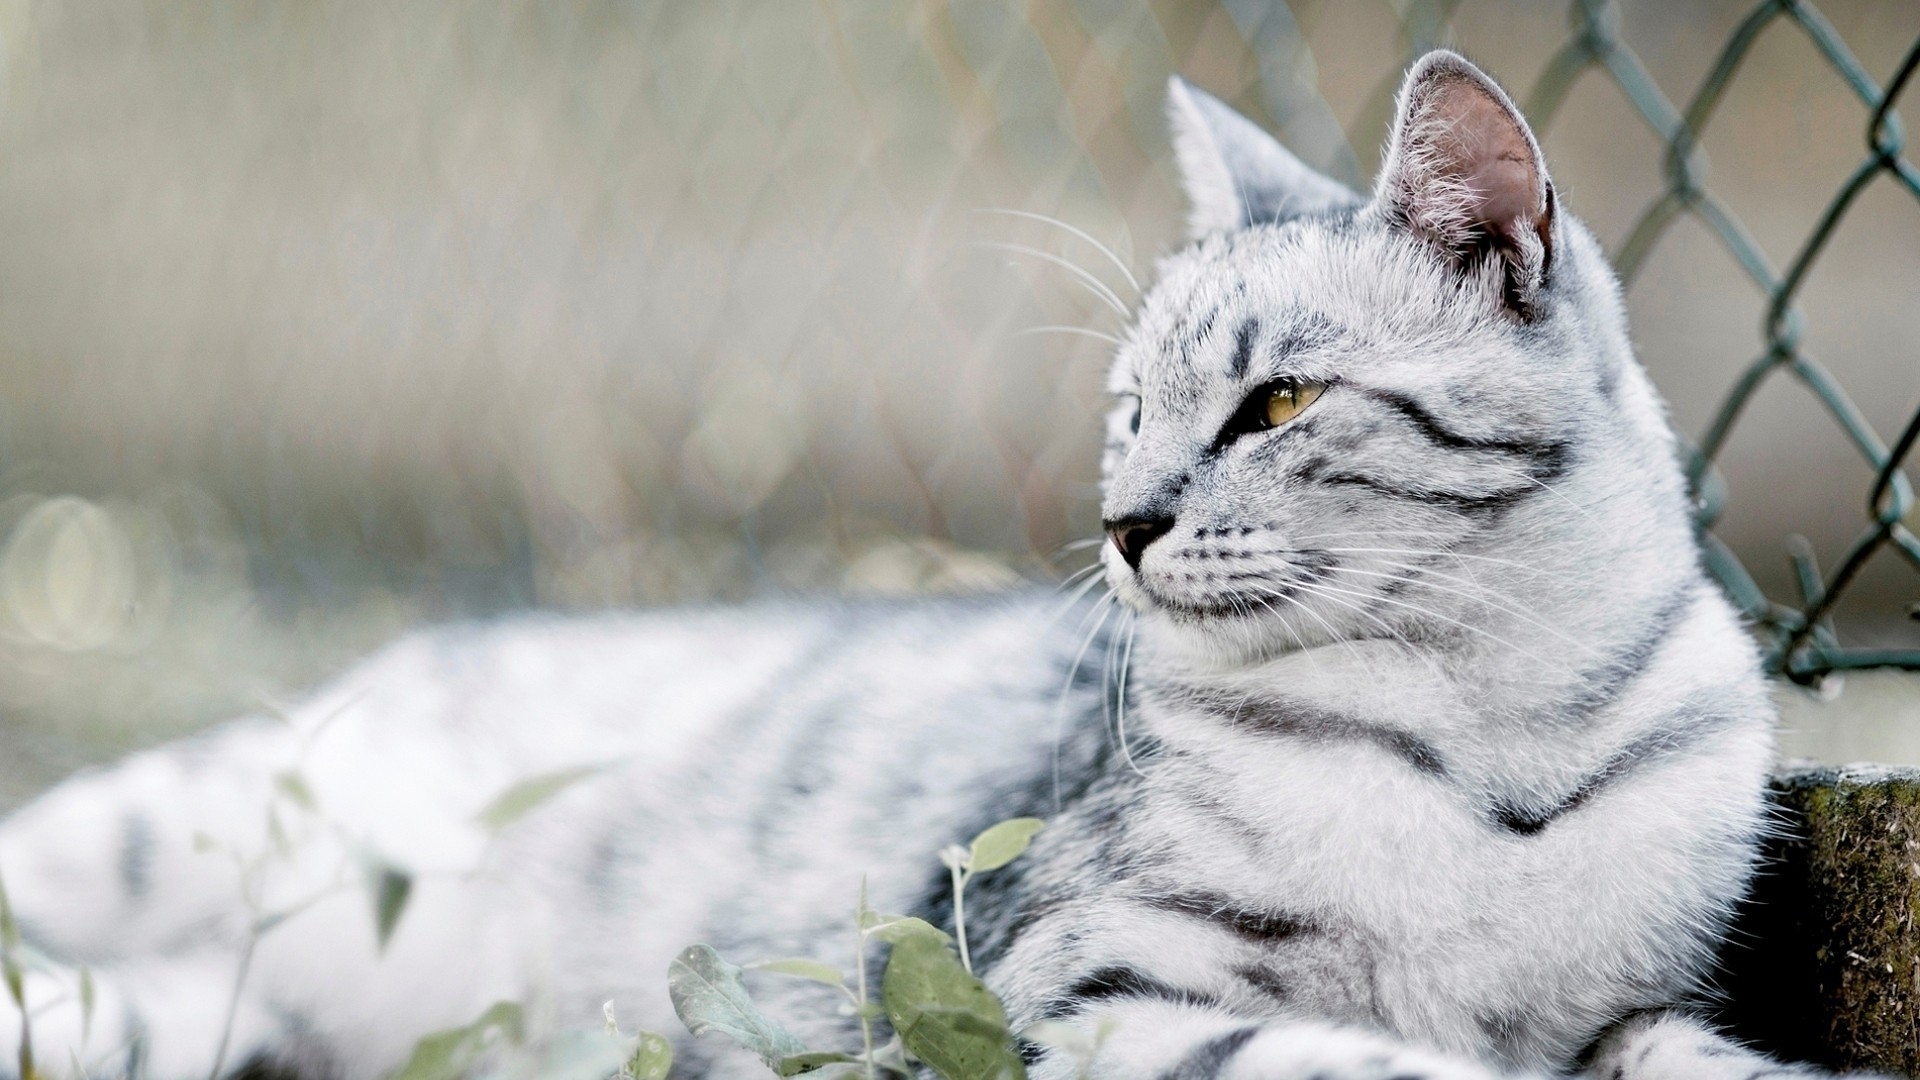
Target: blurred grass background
(322, 321)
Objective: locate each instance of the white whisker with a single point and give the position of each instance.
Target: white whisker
(1583, 511)
(1475, 597)
(1429, 613)
(1099, 288)
(1080, 330)
(1101, 607)
(1392, 633)
(1081, 233)
(1079, 592)
(1120, 723)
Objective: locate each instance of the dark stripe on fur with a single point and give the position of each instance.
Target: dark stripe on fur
(1205, 1061)
(1648, 749)
(1287, 718)
(1264, 927)
(1267, 981)
(1117, 981)
(136, 856)
(1243, 347)
(1604, 683)
(1547, 452)
(1498, 499)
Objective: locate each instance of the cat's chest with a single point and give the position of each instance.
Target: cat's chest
(1358, 824)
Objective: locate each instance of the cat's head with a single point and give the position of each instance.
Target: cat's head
(1342, 417)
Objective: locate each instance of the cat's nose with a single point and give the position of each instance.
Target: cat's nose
(1132, 535)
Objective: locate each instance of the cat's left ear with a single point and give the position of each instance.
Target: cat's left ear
(1464, 171)
(1235, 174)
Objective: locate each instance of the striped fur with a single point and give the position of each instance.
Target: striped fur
(1419, 745)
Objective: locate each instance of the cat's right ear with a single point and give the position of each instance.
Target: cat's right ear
(1235, 174)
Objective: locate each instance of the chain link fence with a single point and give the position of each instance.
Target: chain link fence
(1802, 639)
(318, 323)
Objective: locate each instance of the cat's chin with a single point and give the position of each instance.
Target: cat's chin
(1208, 638)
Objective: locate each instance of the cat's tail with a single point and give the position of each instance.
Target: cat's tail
(135, 858)
(127, 892)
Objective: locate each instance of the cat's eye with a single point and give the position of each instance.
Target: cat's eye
(1269, 406)
(1288, 398)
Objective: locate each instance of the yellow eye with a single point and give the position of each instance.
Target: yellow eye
(1290, 398)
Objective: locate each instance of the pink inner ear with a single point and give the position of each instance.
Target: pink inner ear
(1478, 144)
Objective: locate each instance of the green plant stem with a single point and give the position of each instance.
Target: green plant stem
(960, 913)
(860, 977)
(233, 1003)
(27, 1071)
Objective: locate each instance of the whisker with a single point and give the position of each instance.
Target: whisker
(1082, 572)
(1583, 511)
(1101, 607)
(1120, 724)
(1106, 684)
(1080, 330)
(1080, 591)
(1415, 551)
(1555, 631)
(1081, 233)
(1418, 610)
(1392, 633)
(1080, 273)
(1300, 644)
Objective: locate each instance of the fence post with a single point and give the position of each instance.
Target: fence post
(1824, 961)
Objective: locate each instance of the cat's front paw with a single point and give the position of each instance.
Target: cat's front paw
(1316, 1052)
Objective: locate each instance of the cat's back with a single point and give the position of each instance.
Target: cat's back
(579, 744)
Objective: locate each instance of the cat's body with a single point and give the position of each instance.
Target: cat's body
(1425, 747)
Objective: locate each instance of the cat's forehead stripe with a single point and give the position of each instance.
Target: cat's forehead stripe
(1194, 350)
(1243, 346)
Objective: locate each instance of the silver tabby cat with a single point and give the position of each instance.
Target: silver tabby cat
(1428, 749)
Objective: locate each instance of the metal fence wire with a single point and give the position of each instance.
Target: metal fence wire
(1802, 643)
(321, 322)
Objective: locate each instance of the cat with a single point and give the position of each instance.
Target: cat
(1409, 738)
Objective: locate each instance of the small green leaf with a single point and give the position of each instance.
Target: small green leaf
(1001, 844)
(440, 1056)
(802, 968)
(522, 798)
(277, 834)
(87, 998)
(945, 1016)
(894, 929)
(9, 929)
(708, 996)
(15, 977)
(795, 1064)
(392, 887)
(447, 1055)
(294, 787)
(652, 1059)
(571, 1055)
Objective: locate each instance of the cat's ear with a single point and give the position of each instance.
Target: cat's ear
(1236, 175)
(1463, 170)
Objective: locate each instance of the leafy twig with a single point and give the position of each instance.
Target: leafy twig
(992, 849)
